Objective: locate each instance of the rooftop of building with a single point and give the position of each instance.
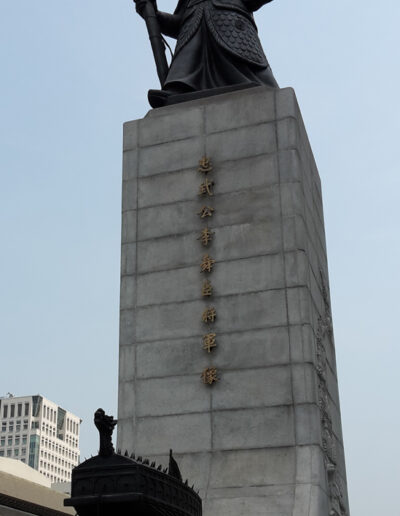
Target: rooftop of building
(12, 398)
(24, 489)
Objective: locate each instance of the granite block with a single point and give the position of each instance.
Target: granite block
(253, 428)
(157, 159)
(231, 277)
(251, 108)
(188, 433)
(170, 127)
(231, 242)
(171, 395)
(264, 388)
(258, 467)
(242, 142)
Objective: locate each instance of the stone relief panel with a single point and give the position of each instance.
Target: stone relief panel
(324, 338)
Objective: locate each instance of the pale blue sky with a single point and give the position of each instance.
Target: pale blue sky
(71, 73)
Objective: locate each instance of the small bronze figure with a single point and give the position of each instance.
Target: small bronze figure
(217, 50)
(105, 425)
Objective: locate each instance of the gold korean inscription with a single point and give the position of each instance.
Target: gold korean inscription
(209, 342)
(206, 211)
(206, 188)
(209, 315)
(206, 237)
(210, 375)
(205, 165)
(207, 289)
(207, 264)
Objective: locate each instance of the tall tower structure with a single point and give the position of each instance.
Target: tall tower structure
(41, 434)
(226, 341)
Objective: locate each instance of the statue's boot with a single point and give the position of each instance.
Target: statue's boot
(159, 98)
(173, 95)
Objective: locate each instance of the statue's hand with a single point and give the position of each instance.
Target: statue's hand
(141, 5)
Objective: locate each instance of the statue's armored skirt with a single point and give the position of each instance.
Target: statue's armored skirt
(217, 45)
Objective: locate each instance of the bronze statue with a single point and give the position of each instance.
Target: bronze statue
(217, 48)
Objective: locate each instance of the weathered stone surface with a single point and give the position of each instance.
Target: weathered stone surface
(254, 442)
(187, 432)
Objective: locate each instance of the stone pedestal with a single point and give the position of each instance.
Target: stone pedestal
(265, 439)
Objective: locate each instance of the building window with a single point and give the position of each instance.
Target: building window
(16, 452)
(12, 410)
(17, 439)
(9, 441)
(23, 460)
(35, 425)
(3, 441)
(24, 438)
(19, 410)
(26, 412)
(18, 426)
(3, 427)
(9, 453)
(23, 451)
(25, 424)
(11, 427)
(5, 411)
(1, 453)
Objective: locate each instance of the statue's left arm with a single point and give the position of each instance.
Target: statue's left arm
(169, 24)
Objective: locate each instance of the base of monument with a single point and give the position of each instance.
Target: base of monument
(265, 438)
(161, 98)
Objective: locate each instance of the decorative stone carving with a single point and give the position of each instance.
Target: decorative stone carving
(324, 338)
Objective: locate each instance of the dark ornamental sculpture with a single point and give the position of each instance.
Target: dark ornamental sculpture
(105, 425)
(112, 484)
(217, 49)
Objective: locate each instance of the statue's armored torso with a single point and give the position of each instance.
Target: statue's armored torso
(230, 24)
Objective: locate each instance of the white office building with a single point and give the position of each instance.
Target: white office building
(41, 434)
